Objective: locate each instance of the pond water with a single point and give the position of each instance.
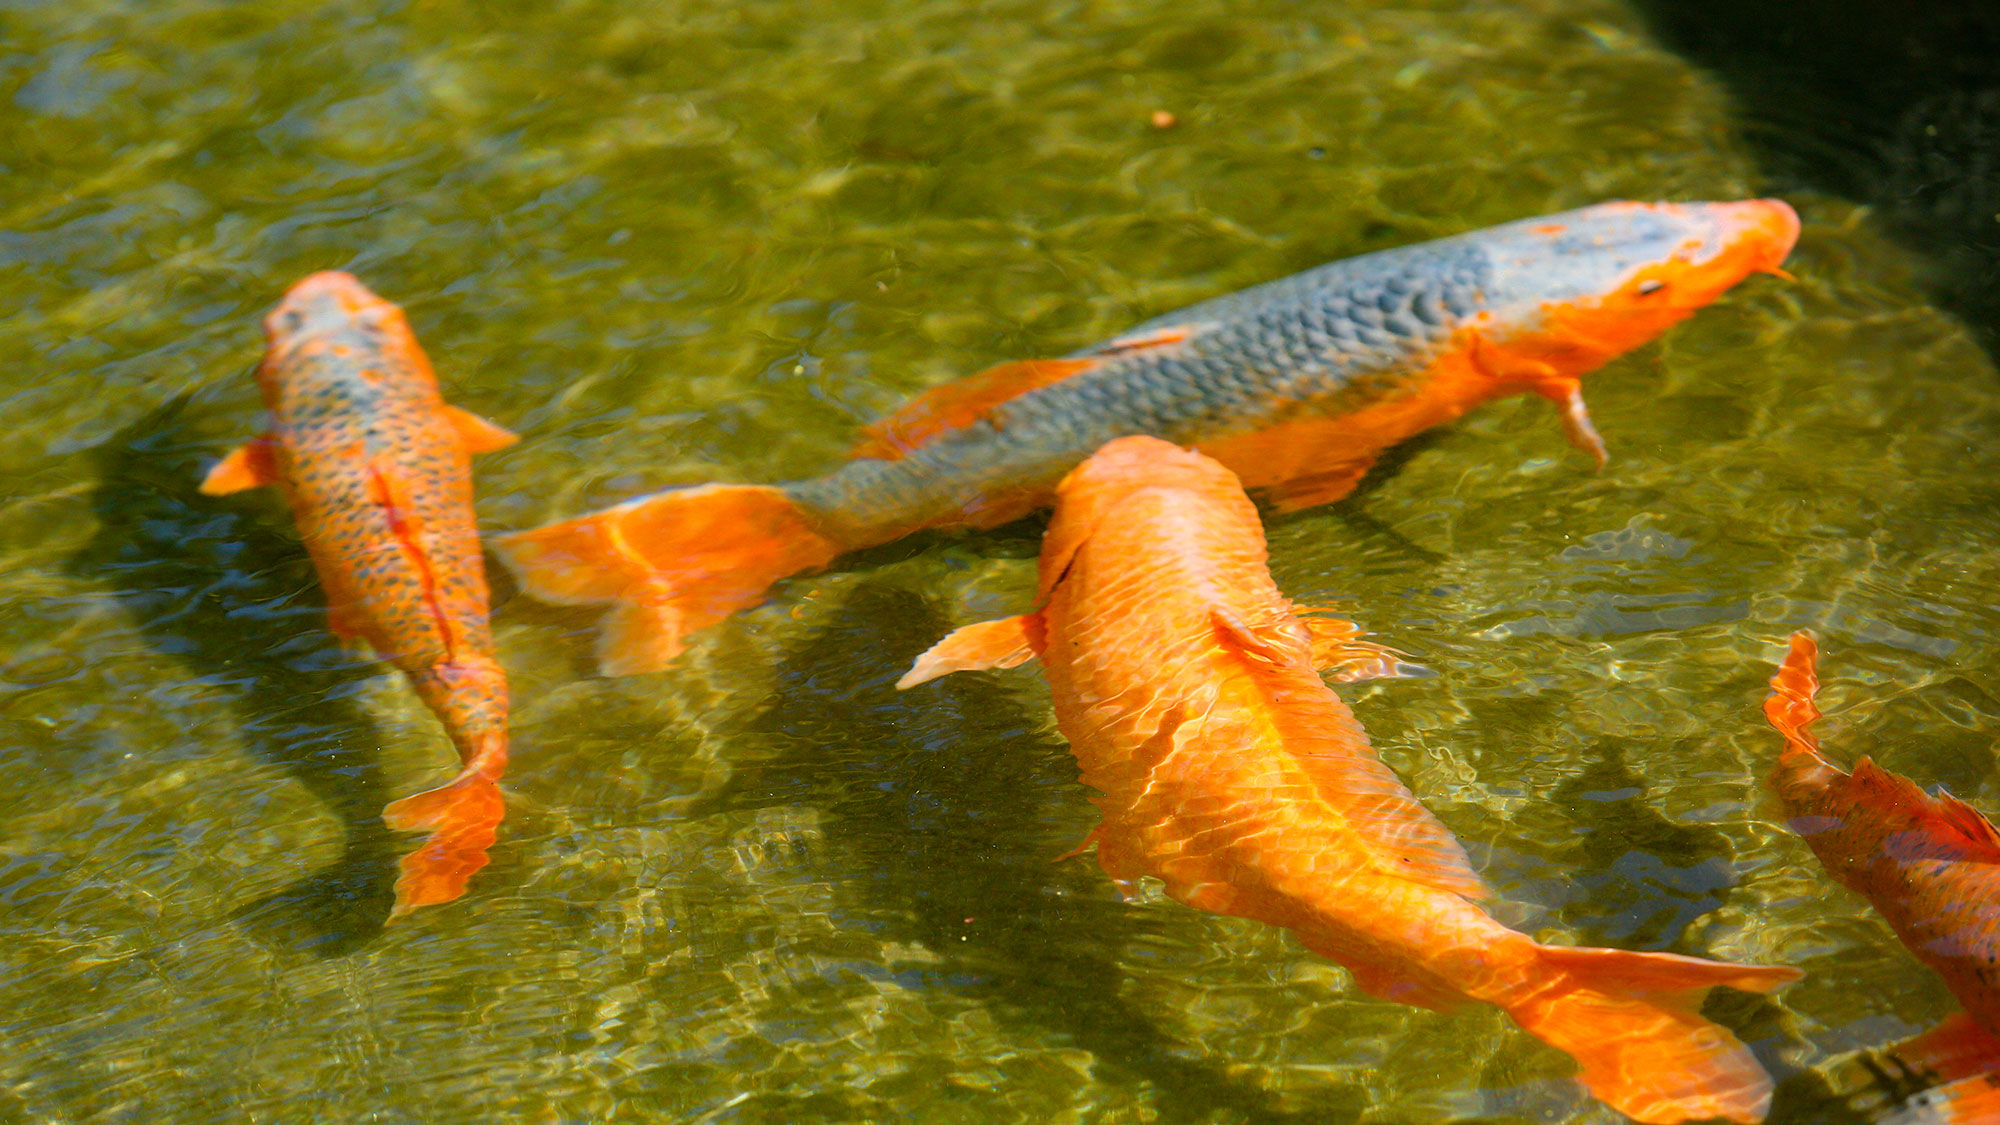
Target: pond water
(678, 242)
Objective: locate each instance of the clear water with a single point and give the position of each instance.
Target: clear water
(688, 241)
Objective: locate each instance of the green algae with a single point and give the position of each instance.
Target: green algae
(679, 242)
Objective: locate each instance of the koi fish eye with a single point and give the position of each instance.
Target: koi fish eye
(1651, 286)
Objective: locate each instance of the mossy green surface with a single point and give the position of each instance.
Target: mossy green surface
(671, 243)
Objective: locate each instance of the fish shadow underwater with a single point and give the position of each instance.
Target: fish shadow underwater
(955, 801)
(215, 585)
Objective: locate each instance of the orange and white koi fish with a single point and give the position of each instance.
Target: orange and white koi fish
(1929, 865)
(1227, 769)
(377, 470)
(1296, 385)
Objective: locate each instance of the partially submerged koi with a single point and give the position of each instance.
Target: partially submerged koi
(1929, 865)
(1296, 385)
(1225, 767)
(376, 467)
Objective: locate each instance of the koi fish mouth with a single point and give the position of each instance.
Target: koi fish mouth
(320, 303)
(1758, 233)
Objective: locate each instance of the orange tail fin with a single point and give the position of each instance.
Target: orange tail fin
(670, 563)
(1631, 1020)
(1790, 704)
(462, 818)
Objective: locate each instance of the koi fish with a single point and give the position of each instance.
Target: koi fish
(1226, 768)
(1930, 866)
(377, 470)
(1296, 385)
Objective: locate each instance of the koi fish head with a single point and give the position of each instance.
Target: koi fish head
(1107, 484)
(332, 315)
(1587, 285)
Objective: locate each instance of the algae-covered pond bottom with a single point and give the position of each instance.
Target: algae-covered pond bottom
(677, 242)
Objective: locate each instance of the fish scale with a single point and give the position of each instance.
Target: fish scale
(1225, 768)
(1296, 385)
(376, 468)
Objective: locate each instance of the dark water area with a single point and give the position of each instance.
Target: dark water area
(679, 242)
(1891, 104)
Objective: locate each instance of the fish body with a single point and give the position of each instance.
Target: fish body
(1225, 767)
(1296, 385)
(376, 468)
(1929, 865)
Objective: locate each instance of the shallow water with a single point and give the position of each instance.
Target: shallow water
(681, 242)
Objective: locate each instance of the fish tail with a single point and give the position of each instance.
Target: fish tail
(463, 817)
(668, 564)
(1790, 705)
(1632, 1020)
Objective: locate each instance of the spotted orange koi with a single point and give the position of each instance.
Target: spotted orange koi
(1297, 385)
(1226, 768)
(377, 469)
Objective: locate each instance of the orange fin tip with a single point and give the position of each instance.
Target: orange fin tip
(1632, 1021)
(251, 465)
(1337, 649)
(641, 634)
(955, 405)
(670, 563)
(1578, 427)
(477, 434)
(1157, 338)
(1006, 643)
(462, 818)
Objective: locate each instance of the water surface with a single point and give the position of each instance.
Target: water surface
(679, 242)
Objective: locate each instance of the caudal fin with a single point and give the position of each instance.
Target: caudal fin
(669, 564)
(462, 818)
(1632, 1021)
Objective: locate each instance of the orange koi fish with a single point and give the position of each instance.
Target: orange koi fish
(1296, 385)
(377, 470)
(1227, 769)
(1930, 866)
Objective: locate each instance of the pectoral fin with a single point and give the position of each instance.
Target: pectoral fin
(1337, 648)
(1005, 643)
(1324, 487)
(1270, 643)
(476, 434)
(1582, 433)
(250, 465)
(959, 404)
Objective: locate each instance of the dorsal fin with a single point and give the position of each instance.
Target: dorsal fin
(1973, 824)
(1326, 740)
(477, 434)
(1339, 651)
(251, 465)
(1950, 821)
(1268, 641)
(960, 403)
